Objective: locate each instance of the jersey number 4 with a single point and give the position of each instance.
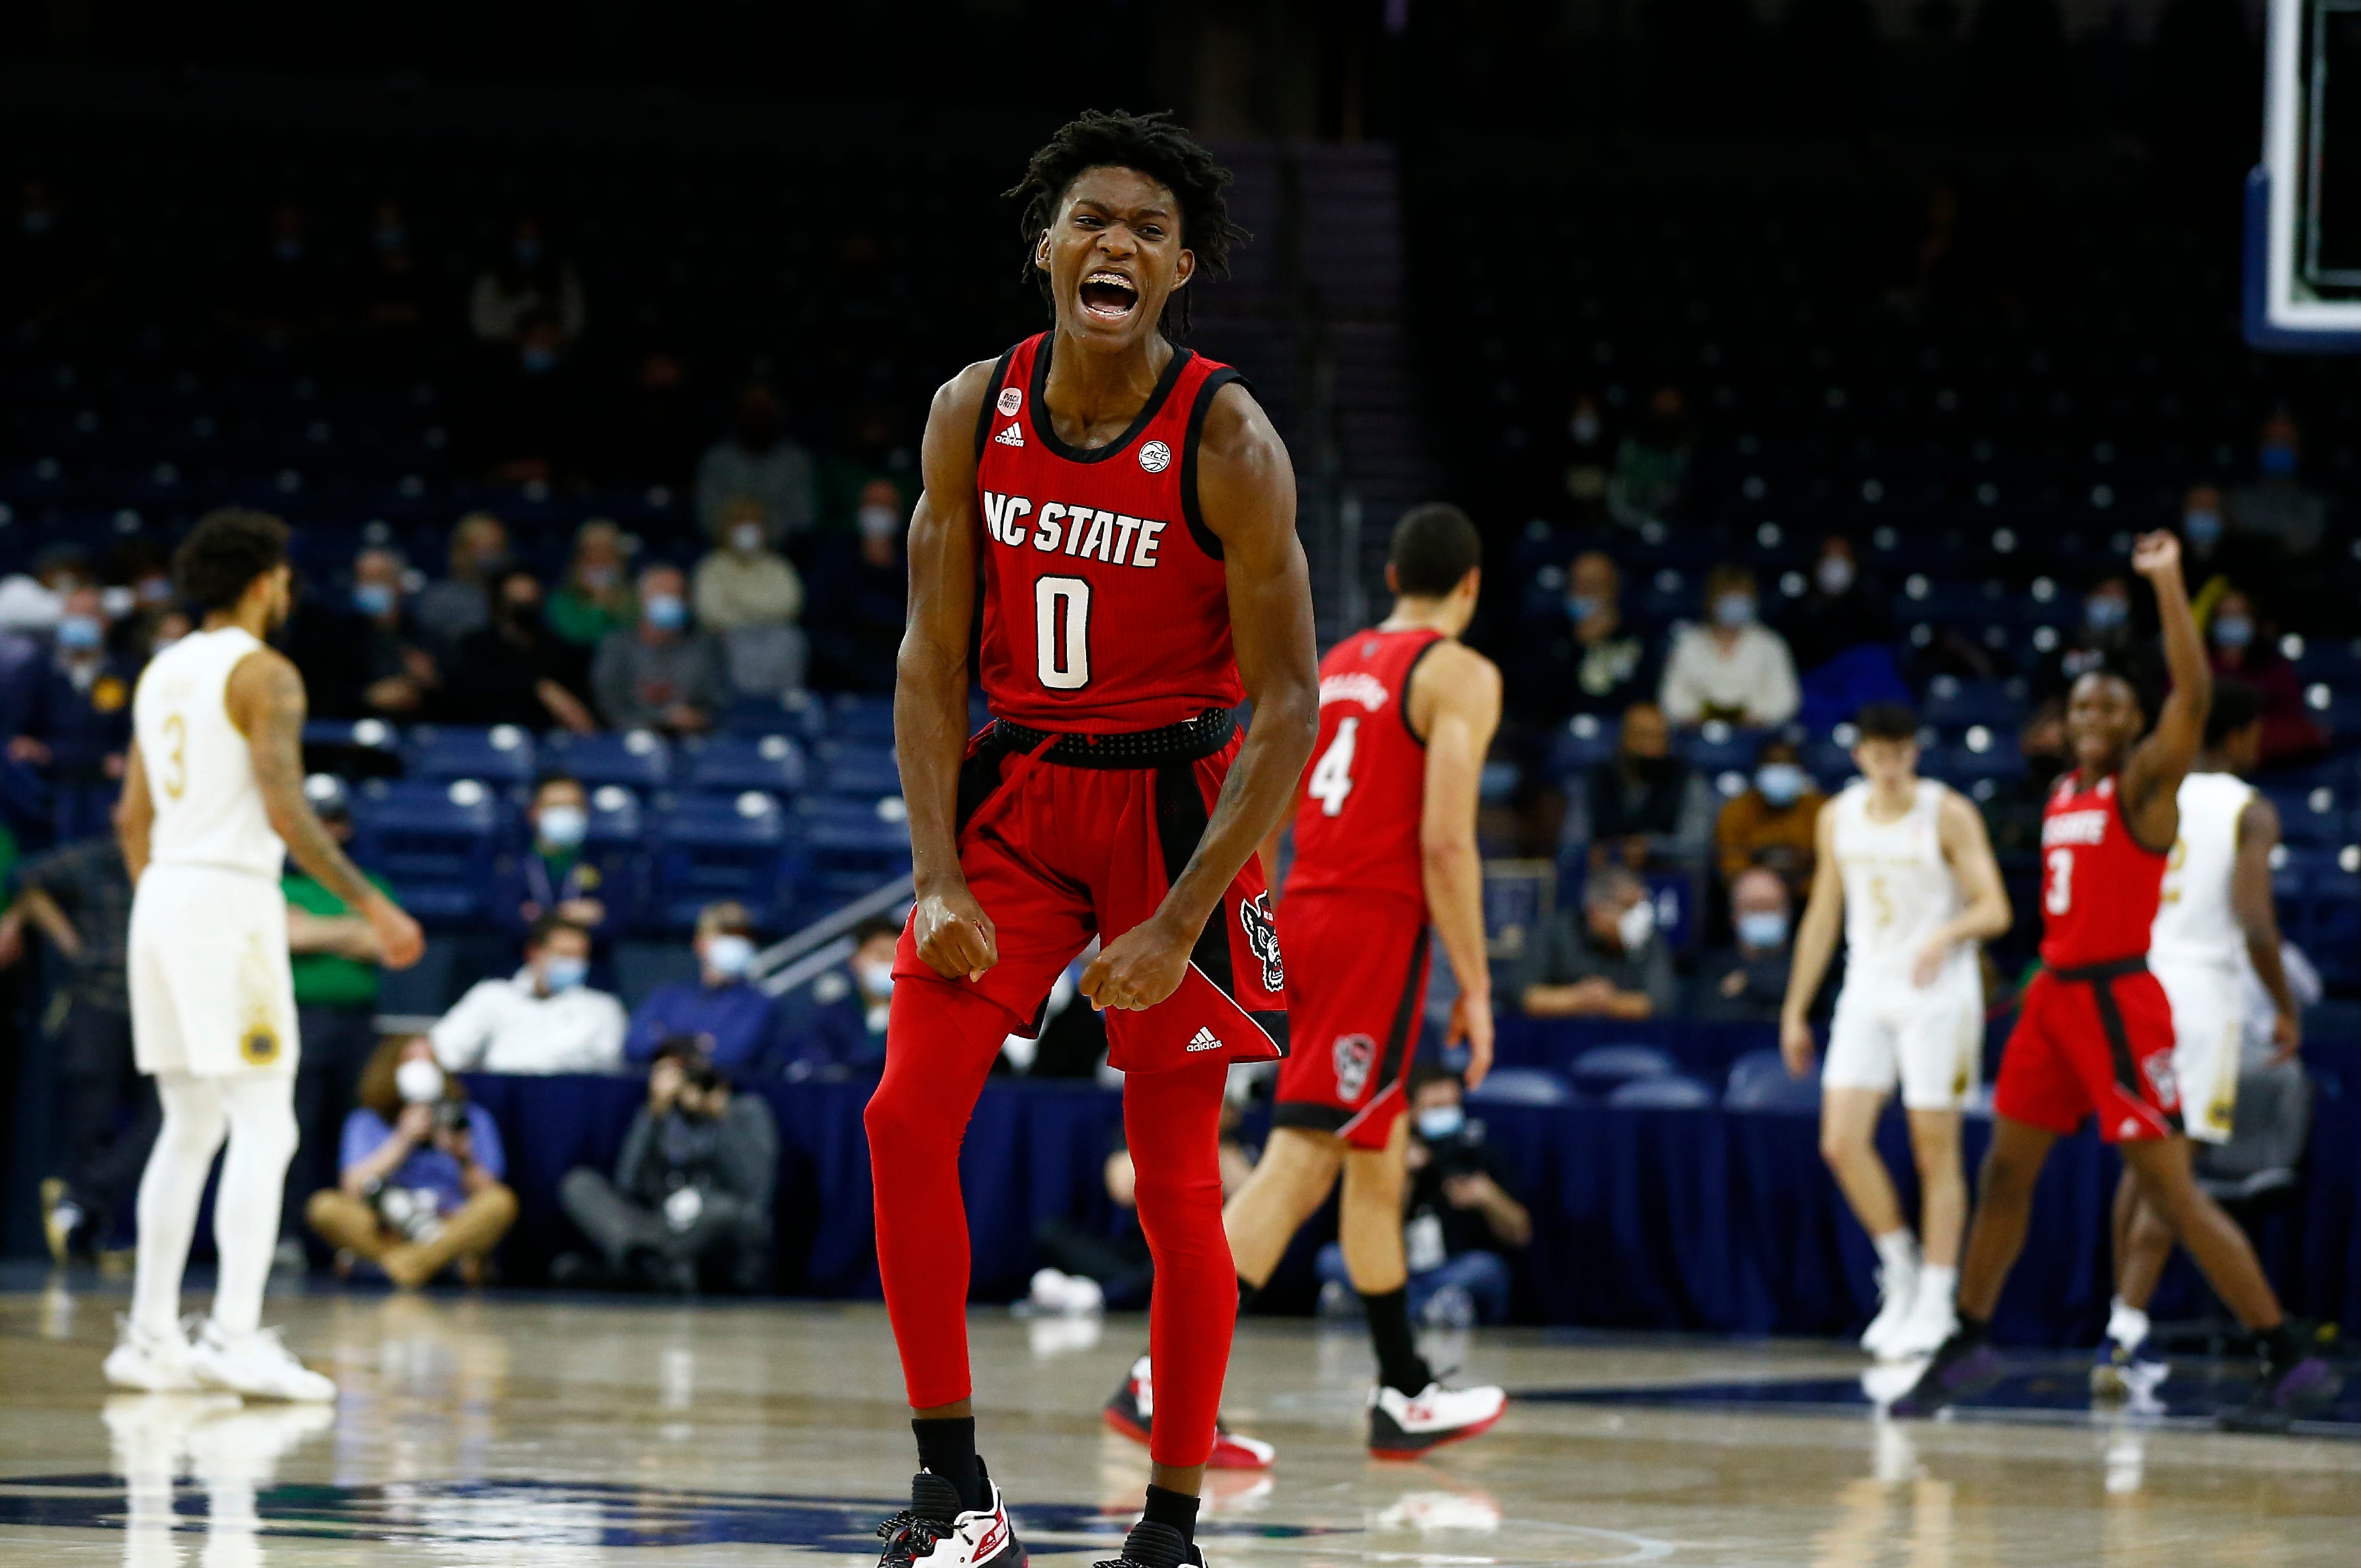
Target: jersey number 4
(2058, 896)
(1062, 632)
(1332, 776)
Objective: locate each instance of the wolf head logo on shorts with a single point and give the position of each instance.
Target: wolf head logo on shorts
(1262, 940)
(2161, 1081)
(1355, 1055)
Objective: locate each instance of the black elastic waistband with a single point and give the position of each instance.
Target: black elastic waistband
(2116, 969)
(1185, 743)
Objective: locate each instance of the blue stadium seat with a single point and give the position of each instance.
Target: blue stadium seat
(1584, 742)
(502, 754)
(2313, 818)
(1674, 1093)
(1953, 703)
(858, 770)
(717, 847)
(1521, 1086)
(1759, 1080)
(1714, 747)
(1601, 1068)
(616, 843)
(851, 846)
(433, 840)
(1962, 764)
(638, 759)
(732, 763)
(853, 716)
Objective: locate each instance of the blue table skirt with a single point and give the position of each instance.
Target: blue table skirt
(1707, 1220)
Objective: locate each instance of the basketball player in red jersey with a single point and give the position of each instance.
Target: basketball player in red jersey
(1129, 516)
(2095, 1033)
(1385, 840)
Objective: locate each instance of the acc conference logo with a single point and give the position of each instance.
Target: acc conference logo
(527, 1514)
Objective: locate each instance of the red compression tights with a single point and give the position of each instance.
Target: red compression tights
(939, 1045)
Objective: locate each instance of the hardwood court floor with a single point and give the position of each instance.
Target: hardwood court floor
(554, 1431)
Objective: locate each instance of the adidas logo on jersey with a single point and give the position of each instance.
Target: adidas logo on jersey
(1014, 435)
(1203, 1040)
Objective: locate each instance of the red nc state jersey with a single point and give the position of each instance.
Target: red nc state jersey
(1356, 824)
(1105, 604)
(2099, 886)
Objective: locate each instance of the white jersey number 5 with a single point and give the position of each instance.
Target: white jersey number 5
(1332, 776)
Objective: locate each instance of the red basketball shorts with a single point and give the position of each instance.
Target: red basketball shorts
(1357, 969)
(2093, 1041)
(1057, 853)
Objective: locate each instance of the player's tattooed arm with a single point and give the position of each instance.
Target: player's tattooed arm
(948, 925)
(2152, 775)
(265, 700)
(1245, 490)
(135, 812)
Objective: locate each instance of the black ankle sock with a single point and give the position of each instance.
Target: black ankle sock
(1178, 1509)
(2278, 1347)
(1400, 1366)
(1247, 1293)
(946, 1447)
(1974, 1331)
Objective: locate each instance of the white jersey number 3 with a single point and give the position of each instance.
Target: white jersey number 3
(1062, 632)
(1332, 776)
(2059, 898)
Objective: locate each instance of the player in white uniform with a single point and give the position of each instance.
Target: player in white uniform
(2215, 919)
(212, 801)
(1907, 863)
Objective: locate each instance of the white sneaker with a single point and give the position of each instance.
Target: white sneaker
(933, 1532)
(1401, 1427)
(1896, 1293)
(258, 1365)
(1932, 1318)
(150, 1363)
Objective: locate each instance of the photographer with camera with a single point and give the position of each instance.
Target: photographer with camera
(419, 1185)
(1460, 1215)
(690, 1199)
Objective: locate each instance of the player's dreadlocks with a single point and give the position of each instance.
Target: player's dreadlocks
(1155, 145)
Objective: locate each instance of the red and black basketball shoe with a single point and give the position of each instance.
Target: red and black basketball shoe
(1132, 1411)
(934, 1531)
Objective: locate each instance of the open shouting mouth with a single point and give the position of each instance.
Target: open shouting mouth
(1108, 296)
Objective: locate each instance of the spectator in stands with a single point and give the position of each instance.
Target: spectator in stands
(1094, 1266)
(596, 596)
(2106, 636)
(551, 876)
(418, 1186)
(2243, 647)
(461, 602)
(655, 426)
(2217, 550)
(749, 596)
(1652, 466)
(690, 1199)
(516, 670)
(846, 1032)
(1612, 964)
(390, 311)
(1461, 1214)
(1842, 609)
(528, 280)
(1748, 981)
(860, 597)
(46, 271)
(72, 716)
(757, 463)
(541, 1019)
(662, 673)
(282, 293)
(533, 414)
(371, 662)
(1733, 668)
(335, 956)
(79, 896)
(1598, 664)
(2012, 815)
(1643, 806)
(729, 1018)
(1773, 824)
(2278, 505)
(1587, 457)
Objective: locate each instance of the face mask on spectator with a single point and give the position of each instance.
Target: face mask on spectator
(564, 971)
(877, 977)
(666, 612)
(2277, 460)
(1441, 1124)
(1636, 924)
(730, 955)
(1781, 784)
(418, 1081)
(879, 522)
(538, 359)
(1834, 573)
(1581, 607)
(745, 537)
(373, 599)
(563, 826)
(597, 579)
(1733, 609)
(528, 251)
(117, 601)
(155, 590)
(391, 236)
(1584, 427)
(1762, 929)
(2229, 630)
(2202, 528)
(2105, 613)
(80, 633)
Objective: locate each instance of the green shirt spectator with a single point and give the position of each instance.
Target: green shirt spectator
(330, 979)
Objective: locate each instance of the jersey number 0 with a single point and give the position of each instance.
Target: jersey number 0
(1062, 632)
